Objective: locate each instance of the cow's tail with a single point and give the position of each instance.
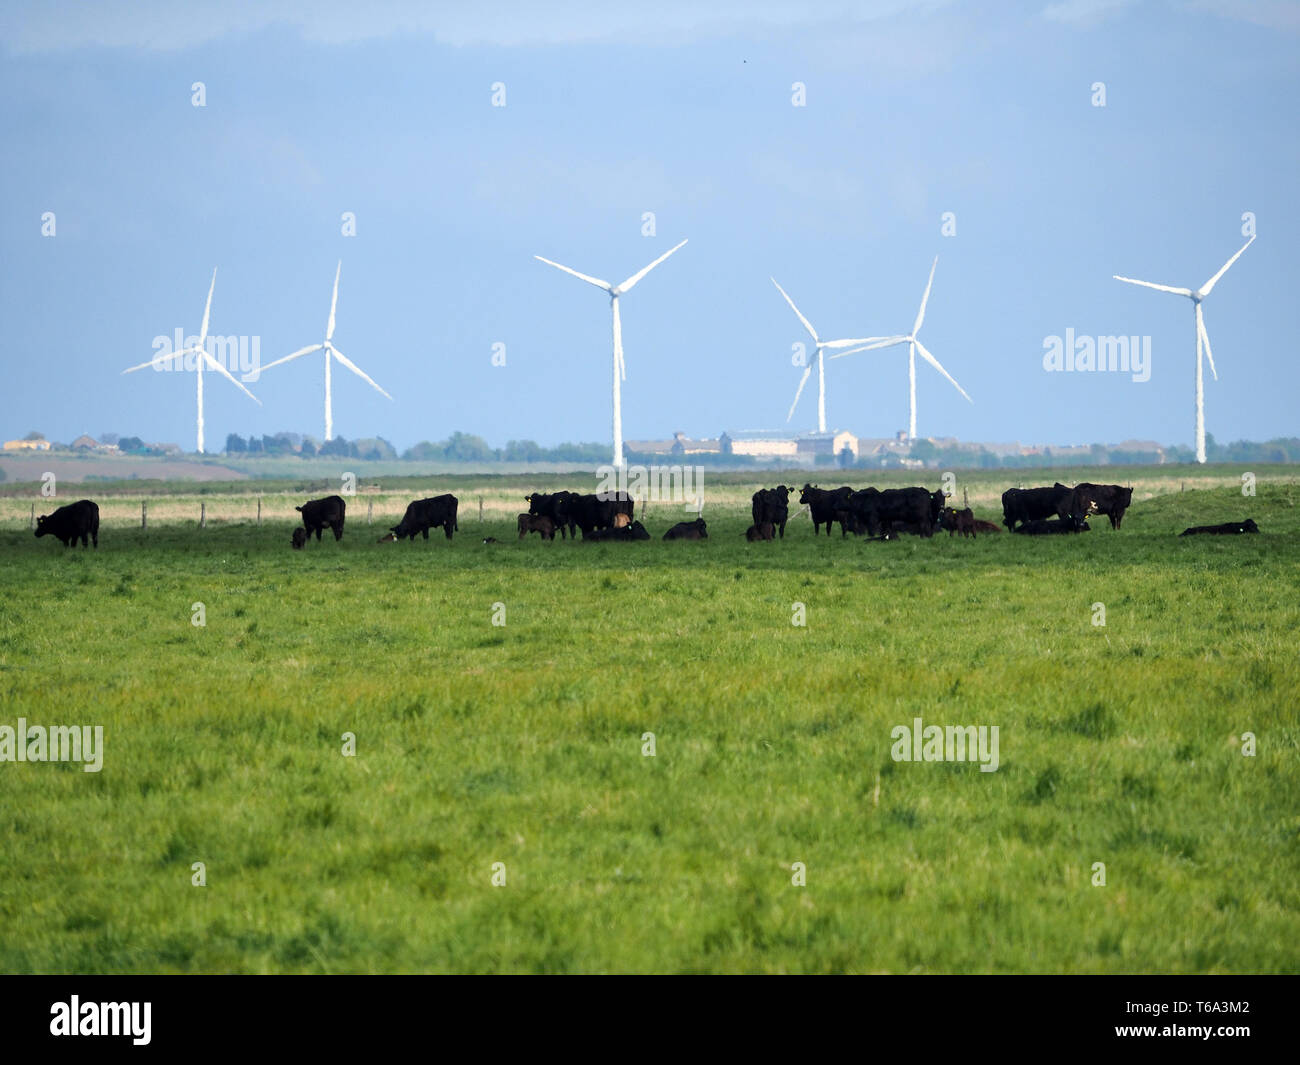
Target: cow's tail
(298, 509)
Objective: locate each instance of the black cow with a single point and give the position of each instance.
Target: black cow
(688, 530)
(592, 512)
(763, 530)
(772, 506)
(1030, 504)
(538, 523)
(822, 503)
(1108, 499)
(320, 514)
(79, 520)
(905, 509)
(555, 506)
(632, 531)
(1228, 528)
(299, 538)
(425, 514)
(1041, 527)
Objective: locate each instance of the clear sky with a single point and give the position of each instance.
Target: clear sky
(682, 109)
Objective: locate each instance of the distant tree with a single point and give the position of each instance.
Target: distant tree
(255, 445)
(34, 435)
(846, 457)
(308, 447)
(131, 443)
(422, 452)
(338, 447)
(925, 450)
(235, 444)
(465, 447)
(108, 438)
(522, 451)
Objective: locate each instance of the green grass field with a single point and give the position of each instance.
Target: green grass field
(522, 743)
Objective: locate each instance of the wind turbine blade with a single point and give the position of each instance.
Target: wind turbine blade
(806, 324)
(207, 311)
(590, 280)
(212, 364)
(356, 370)
(920, 315)
(1205, 340)
(626, 286)
(799, 392)
(158, 360)
(925, 354)
(300, 351)
(1205, 288)
(1151, 284)
(874, 342)
(887, 342)
(334, 302)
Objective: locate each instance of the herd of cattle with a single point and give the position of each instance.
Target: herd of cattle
(880, 514)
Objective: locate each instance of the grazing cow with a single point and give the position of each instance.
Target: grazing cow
(764, 530)
(554, 506)
(959, 521)
(632, 531)
(772, 506)
(984, 526)
(1042, 527)
(327, 513)
(425, 514)
(79, 520)
(538, 524)
(1030, 504)
(1228, 528)
(1108, 499)
(908, 509)
(299, 538)
(688, 530)
(822, 503)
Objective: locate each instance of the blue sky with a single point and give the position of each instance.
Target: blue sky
(913, 110)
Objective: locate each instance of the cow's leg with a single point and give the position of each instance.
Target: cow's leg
(338, 531)
(426, 533)
(447, 528)
(319, 530)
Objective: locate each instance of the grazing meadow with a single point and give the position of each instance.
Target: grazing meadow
(527, 756)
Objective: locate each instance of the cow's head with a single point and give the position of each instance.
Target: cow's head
(805, 496)
(1246, 526)
(42, 525)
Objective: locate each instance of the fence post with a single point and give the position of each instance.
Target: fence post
(31, 520)
(203, 515)
(259, 510)
(370, 511)
(144, 513)
(480, 510)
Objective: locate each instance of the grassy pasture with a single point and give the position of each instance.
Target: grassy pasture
(522, 743)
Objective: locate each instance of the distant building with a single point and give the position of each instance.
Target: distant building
(812, 445)
(84, 443)
(680, 444)
(27, 445)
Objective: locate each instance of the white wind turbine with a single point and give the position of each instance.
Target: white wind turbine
(327, 345)
(620, 371)
(201, 351)
(914, 345)
(821, 346)
(1202, 337)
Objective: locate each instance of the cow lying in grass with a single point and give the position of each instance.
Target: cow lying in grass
(632, 531)
(1228, 528)
(764, 530)
(299, 538)
(689, 530)
(1042, 527)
